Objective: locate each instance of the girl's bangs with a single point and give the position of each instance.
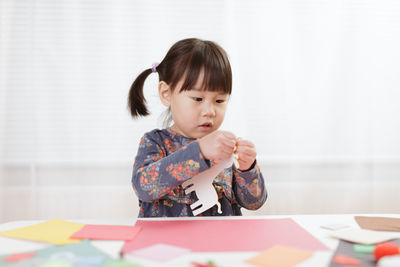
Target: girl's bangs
(217, 72)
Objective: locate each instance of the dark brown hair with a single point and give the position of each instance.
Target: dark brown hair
(186, 59)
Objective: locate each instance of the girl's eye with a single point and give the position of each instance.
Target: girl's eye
(220, 101)
(198, 99)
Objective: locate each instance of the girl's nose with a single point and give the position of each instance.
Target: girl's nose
(208, 110)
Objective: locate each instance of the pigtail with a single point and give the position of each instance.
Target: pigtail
(136, 100)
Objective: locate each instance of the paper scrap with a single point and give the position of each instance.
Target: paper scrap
(345, 260)
(56, 232)
(366, 237)
(106, 232)
(334, 227)
(378, 223)
(160, 252)
(205, 235)
(280, 256)
(360, 248)
(18, 257)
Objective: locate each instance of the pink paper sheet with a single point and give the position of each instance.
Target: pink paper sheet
(106, 232)
(223, 235)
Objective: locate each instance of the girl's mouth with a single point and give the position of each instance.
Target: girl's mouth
(206, 125)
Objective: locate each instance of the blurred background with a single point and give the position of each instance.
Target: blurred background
(316, 86)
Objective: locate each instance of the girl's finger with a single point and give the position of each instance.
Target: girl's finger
(229, 135)
(247, 151)
(244, 142)
(229, 143)
(246, 158)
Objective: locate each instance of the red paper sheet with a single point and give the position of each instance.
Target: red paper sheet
(223, 235)
(106, 232)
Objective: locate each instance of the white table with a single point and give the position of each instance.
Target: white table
(311, 223)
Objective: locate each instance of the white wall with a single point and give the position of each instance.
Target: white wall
(315, 88)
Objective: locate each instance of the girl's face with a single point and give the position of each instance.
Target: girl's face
(196, 112)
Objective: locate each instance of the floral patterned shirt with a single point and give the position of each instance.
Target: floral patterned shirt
(166, 159)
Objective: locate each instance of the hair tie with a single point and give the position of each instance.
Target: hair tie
(154, 67)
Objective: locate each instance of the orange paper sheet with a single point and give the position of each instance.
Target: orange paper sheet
(280, 256)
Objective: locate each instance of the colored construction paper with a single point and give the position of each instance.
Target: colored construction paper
(378, 223)
(56, 232)
(223, 235)
(280, 256)
(160, 252)
(18, 257)
(346, 260)
(106, 232)
(360, 248)
(366, 237)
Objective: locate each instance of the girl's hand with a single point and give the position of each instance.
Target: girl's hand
(217, 145)
(247, 154)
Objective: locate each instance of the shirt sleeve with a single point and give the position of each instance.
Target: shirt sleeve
(249, 188)
(155, 174)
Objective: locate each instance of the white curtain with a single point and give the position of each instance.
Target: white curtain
(316, 88)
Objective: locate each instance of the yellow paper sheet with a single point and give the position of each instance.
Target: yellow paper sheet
(54, 231)
(280, 256)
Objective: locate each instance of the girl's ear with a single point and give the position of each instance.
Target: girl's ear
(165, 93)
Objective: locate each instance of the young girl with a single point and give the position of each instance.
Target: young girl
(195, 84)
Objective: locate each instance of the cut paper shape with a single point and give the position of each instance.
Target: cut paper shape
(378, 223)
(56, 232)
(205, 191)
(360, 248)
(201, 235)
(160, 252)
(280, 256)
(106, 232)
(366, 237)
(18, 257)
(345, 260)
